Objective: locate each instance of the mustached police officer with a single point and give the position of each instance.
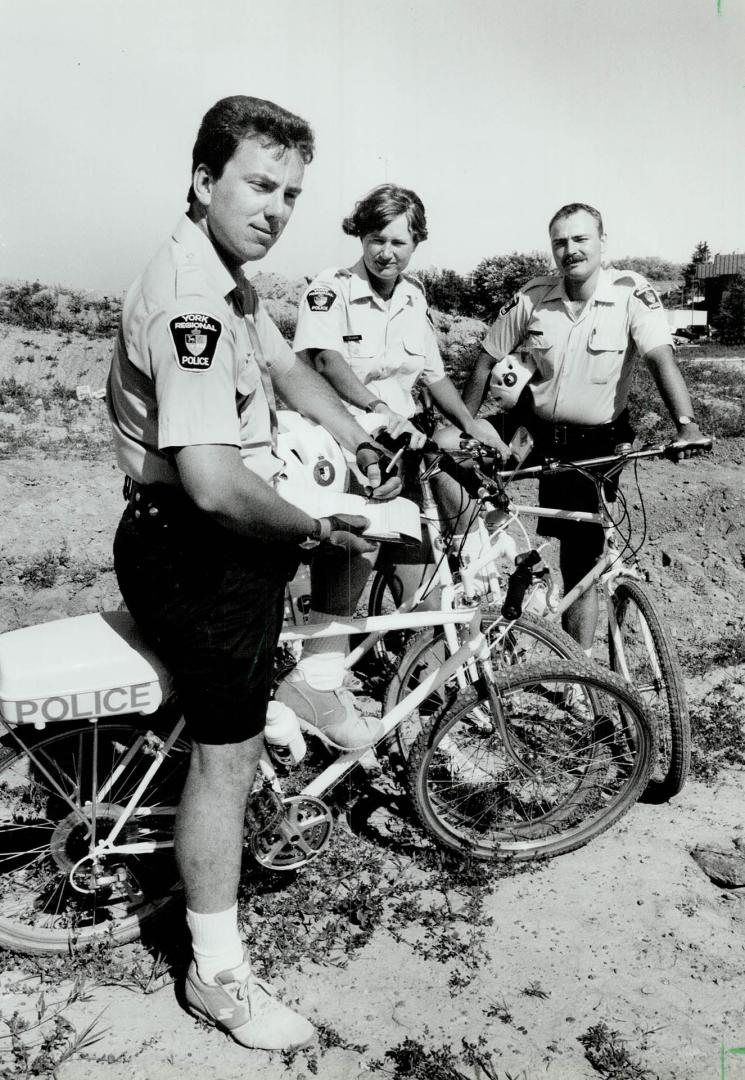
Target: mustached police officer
(580, 333)
(206, 545)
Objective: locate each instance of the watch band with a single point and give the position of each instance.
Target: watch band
(323, 533)
(372, 405)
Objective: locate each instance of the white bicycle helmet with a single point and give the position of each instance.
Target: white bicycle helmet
(510, 376)
(313, 459)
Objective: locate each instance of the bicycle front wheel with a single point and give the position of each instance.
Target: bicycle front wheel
(650, 661)
(55, 806)
(527, 640)
(557, 755)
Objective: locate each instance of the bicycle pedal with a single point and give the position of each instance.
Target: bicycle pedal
(264, 811)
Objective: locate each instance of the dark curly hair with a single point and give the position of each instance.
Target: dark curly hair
(233, 119)
(380, 206)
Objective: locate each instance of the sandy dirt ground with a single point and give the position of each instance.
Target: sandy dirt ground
(628, 930)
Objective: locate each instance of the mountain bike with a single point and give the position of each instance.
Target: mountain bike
(639, 647)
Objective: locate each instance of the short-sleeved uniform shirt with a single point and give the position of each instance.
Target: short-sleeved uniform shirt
(584, 363)
(388, 345)
(184, 370)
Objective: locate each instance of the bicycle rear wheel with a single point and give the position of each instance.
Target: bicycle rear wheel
(577, 754)
(52, 896)
(651, 664)
(528, 640)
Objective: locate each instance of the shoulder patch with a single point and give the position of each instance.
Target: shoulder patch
(509, 305)
(648, 296)
(320, 298)
(195, 337)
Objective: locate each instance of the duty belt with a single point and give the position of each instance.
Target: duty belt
(567, 434)
(152, 500)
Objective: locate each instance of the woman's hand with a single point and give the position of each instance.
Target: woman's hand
(397, 425)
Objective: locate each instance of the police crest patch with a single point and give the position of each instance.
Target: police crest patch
(320, 298)
(324, 472)
(509, 305)
(648, 296)
(195, 337)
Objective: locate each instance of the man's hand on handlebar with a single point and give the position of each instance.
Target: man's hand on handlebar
(451, 438)
(483, 431)
(687, 435)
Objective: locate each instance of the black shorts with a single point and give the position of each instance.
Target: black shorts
(567, 490)
(210, 603)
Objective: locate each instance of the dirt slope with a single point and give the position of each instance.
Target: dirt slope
(628, 930)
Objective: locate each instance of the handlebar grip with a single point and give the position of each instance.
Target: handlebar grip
(704, 443)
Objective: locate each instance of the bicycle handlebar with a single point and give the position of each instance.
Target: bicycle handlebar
(474, 482)
(621, 456)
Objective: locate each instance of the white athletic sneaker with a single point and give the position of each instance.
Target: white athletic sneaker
(329, 714)
(246, 1008)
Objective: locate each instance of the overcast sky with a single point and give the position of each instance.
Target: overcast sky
(495, 111)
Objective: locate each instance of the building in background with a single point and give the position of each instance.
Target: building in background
(715, 277)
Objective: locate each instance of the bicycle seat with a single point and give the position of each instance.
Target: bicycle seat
(79, 668)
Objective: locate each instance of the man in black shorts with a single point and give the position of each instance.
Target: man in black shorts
(577, 334)
(206, 545)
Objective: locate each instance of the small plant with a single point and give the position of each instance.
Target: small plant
(39, 1047)
(411, 1060)
(607, 1053)
(717, 733)
(499, 1010)
(42, 571)
(725, 651)
(534, 989)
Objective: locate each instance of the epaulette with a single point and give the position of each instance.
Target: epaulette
(414, 280)
(626, 277)
(544, 279)
(330, 273)
(190, 278)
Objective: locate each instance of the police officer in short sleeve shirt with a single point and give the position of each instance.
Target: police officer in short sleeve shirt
(581, 330)
(206, 545)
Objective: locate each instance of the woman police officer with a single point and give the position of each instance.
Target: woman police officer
(367, 330)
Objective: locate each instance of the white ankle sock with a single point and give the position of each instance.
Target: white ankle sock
(588, 653)
(322, 661)
(215, 941)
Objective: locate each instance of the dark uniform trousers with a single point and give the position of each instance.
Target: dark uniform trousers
(210, 602)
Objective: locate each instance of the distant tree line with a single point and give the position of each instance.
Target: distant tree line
(482, 293)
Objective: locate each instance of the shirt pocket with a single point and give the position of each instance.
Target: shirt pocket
(606, 349)
(537, 343)
(413, 356)
(248, 380)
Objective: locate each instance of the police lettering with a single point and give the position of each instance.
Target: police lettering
(195, 337)
(195, 361)
(86, 705)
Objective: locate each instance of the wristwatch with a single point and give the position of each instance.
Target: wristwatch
(684, 420)
(372, 405)
(321, 532)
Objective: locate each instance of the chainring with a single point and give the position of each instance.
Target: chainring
(300, 836)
